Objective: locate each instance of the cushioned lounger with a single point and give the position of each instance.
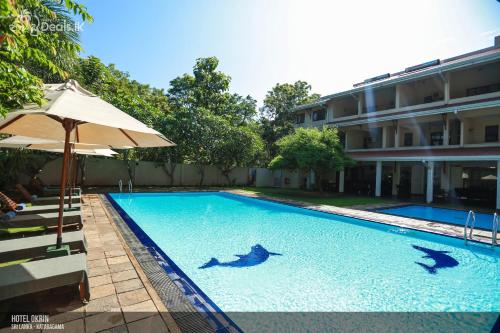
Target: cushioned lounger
(42, 219)
(56, 190)
(54, 200)
(44, 200)
(14, 249)
(35, 276)
(46, 209)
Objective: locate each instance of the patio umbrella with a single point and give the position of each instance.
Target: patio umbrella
(73, 112)
(53, 146)
(19, 141)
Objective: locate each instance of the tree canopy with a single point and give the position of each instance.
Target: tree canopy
(31, 56)
(276, 116)
(209, 124)
(311, 149)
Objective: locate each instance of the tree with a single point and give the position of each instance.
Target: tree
(311, 149)
(208, 122)
(276, 118)
(149, 105)
(236, 146)
(208, 89)
(29, 54)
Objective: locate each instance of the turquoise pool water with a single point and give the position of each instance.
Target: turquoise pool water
(326, 262)
(452, 216)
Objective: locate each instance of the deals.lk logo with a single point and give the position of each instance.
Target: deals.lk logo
(37, 24)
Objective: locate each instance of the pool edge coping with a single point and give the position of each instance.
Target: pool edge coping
(418, 224)
(208, 316)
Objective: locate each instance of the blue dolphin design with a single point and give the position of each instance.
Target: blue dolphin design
(257, 255)
(442, 260)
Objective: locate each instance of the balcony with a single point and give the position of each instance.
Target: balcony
(344, 107)
(375, 100)
(480, 81)
(420, 92)
(471, 129)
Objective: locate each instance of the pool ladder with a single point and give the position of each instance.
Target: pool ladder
(120, 185)
(494, 230)
(130, 186)
(471, 218)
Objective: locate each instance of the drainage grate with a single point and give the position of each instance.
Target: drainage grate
(186, 315)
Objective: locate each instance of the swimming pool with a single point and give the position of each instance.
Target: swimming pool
(452, 216)
(294, 259)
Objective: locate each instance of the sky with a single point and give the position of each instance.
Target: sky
(259, 43)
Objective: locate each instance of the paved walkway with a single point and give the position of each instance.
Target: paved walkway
(122, 300)
(405, 222)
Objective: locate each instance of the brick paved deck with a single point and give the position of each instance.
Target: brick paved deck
(122, 300)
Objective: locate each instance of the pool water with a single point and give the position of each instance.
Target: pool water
(294, 259)
(452, 216)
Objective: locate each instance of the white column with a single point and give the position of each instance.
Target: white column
(395, 178)
(385, 136)
(462, 132)
(445, 176)
(396, 135)
(398, 97)
(341, 181)
(447, 88)
(430, 182)
(446, 131)
(378, 179)
(360, 103)
(498, 185)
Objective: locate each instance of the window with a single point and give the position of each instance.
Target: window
(436, 138)
(319, 115)
(300, 118)
(491, 133)
(408, 139)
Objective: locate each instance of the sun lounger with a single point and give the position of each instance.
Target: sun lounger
(34, 276)
(42, 219)
(55, 191)
(21, 232)
(14, 249)
(41, 187)
(35, 200)
(46, 209)
(22, 209)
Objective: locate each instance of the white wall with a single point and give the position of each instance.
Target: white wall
(475, 128)
(107, 172)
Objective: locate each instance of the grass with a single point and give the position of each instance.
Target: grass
(332, 199)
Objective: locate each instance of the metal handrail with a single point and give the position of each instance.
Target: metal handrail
(494, 230)
(473, 215)
(130, 186)
(120, 185)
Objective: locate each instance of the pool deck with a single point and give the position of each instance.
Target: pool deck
(122, 298)
(365, 213)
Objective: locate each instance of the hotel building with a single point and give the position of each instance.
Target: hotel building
(430, 130)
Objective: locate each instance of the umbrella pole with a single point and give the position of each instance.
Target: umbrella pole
(70, 178)
(68, 125)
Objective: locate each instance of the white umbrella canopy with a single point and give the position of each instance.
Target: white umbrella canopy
(73, 112)
(19, 141)
(92, 152)
(94, 120)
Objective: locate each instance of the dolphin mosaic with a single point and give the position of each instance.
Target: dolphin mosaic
(441, 259)
(257, 255)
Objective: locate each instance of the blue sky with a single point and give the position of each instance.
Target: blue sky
(330, 44)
